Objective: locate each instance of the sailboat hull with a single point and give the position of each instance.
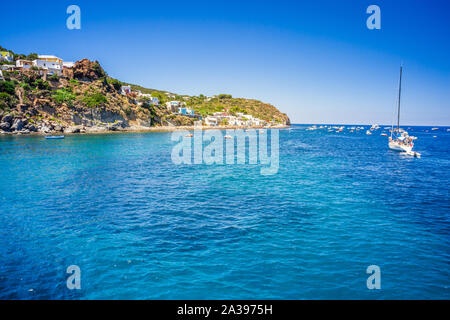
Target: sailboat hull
(393, 145)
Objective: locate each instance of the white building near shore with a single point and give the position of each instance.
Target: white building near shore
(211, 121)
(239, 120)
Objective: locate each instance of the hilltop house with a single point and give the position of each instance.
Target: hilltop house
(8, 67)
(68, 64)
(7, 56)
(51, 59)
(169, 95)
(25, 64)
(173, 106)
(186, 111)
(53, 64)
(153, 100)
(125, 90)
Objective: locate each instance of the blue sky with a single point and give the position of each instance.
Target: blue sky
(314, 60)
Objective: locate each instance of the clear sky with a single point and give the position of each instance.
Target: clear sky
(315, 60)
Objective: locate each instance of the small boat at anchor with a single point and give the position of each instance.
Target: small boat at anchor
(54, 137)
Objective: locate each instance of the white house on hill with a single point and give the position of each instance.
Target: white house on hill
(51, 63)
(68, 64)
(173, 105)
(125, 90)
(25, 64)
(7, 56)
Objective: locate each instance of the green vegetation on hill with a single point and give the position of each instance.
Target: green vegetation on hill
(225, 102)
(64, 95)
(95, 99)
(70, 99)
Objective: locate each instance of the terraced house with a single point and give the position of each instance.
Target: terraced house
(6, 56)
(53, 64)
(25, 64)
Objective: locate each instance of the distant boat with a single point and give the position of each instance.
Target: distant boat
(228, 137)
(368, 132)
(434, 129)
(189, 135)
(54, 137)
(401, 141)
(384, 134)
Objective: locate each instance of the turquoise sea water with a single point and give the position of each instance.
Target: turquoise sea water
(140, 227)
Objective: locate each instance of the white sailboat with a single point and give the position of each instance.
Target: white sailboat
(399, 139)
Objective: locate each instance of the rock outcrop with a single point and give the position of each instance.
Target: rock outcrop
(87, 70)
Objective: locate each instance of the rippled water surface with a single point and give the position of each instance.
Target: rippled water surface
(140, 227)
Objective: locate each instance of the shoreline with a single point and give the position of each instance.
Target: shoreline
(135, 129)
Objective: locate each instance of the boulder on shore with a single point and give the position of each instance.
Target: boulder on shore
(5, 126)
(8, 118)
(17, 125)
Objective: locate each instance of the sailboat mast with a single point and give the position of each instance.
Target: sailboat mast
(399, 98)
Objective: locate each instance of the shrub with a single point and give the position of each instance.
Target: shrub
(26, 78)
(116, 83)
(41, 84)
(128, 111)
(7, 87)
(162, 97)
(94, 99)
(235, 110)
(25, 86)
(54, 77)
(64, 96)
(98, 69)
(5, 97)
(5, 101)
(32, 56)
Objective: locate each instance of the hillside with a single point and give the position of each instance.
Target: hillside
(85, 99)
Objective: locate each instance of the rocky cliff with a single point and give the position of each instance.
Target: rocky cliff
(85, 99)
